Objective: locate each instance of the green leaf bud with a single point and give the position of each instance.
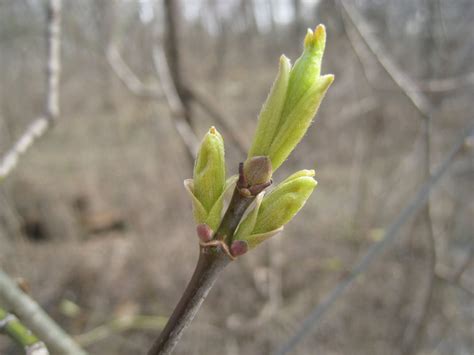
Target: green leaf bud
(298, 121)
(282, 203)
(255, 239)
(293, 101)
(247, 225)
(276, 209)
(269, 118)
(307, 68)
(208, 186)
(209, 169)
(213, 217)
(199, 212)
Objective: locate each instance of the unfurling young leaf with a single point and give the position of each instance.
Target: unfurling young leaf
(293, 101)
(268, 120)
(277, 208)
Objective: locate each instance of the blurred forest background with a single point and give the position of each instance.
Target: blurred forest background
(95, 220)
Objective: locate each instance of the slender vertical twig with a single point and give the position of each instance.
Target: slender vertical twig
(172, 40)
(212, 109)
(213, 258)
(177, 106)
(51, 110)
(168, 92)
(53, 66)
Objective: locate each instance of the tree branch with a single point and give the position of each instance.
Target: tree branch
(22, 305)
(51, 111)
(168, 91)
(424, 107)
(177, 107)
(53, 66)
(10, 325)
(409, 88)
(36, 318)
(447, 84)
(118, 325)
(413, 207)
(34, 131)
(213, 258)
(207, 104)
(128, 77)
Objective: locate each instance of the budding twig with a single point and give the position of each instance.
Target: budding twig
(214, 256)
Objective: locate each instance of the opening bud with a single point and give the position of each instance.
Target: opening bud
(258, 170)
(209, 169)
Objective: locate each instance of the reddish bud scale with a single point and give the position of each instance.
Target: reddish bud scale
(204, 232)
(238, 247)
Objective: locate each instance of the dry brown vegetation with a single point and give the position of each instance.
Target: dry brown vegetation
(96, 213)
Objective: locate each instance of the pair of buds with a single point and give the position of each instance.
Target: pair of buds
(205, 234)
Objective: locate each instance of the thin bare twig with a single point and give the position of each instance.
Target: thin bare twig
(51, 110)
(424, 107)
(34, 131)
(128, 77)
(119, 325)
(213, 258)
(411, 337)
(168, 91)
(53, 65)
(177, 107)
(415, 205)
(447, 84)
(212, 108)
(408, 86)
(358, 109)
(172, 10)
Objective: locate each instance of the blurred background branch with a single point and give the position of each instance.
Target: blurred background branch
(10, 325)
(411, 209)
(36, 318)
(51, 108)
(129, 79)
